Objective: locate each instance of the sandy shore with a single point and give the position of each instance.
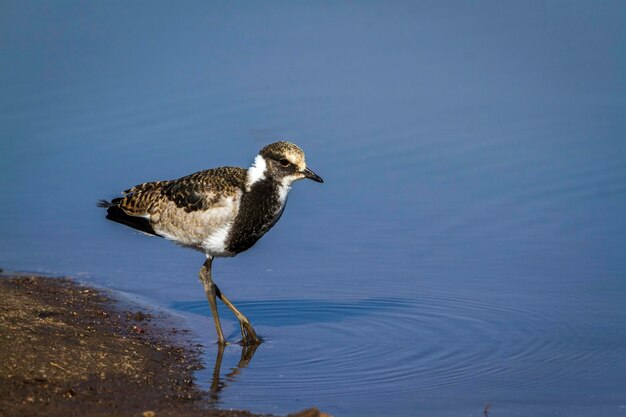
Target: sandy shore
(68, 349)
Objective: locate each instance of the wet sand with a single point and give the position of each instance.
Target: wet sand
(68, 349)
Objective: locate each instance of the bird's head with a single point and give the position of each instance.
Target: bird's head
(283, 162)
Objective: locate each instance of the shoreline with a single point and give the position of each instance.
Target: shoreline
(71, 349)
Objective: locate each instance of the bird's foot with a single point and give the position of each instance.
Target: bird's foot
(248, 334)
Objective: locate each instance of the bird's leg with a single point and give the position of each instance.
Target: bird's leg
(247, 332)
(210, 290)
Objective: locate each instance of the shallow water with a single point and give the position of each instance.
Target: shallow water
(467, 247)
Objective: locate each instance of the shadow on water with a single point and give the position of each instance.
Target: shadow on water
(296, 312)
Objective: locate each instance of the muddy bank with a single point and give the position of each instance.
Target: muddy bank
(67, 349)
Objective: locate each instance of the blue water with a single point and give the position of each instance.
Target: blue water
(467, 248)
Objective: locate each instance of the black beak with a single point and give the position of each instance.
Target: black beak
(312, 175)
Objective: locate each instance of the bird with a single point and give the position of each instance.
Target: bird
(220, 211)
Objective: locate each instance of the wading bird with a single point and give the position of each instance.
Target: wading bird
(221, 212)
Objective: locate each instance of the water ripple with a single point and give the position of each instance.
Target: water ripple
(424, 345)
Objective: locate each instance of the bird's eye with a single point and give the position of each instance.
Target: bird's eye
(284, 162)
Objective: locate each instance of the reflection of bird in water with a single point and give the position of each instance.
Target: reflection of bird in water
(221, 212)
(247, 352)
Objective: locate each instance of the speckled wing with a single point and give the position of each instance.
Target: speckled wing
(176, 208)
(138, 200)
(130, 210)
(195, 192)
(204, 189)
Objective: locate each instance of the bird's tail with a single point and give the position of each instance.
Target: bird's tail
(117, 214)
(105, 204)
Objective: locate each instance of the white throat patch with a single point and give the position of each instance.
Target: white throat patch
(256, 172)
(283, 189)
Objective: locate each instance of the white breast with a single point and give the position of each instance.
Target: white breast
(215, 243)
(205, 230)
(283, 191)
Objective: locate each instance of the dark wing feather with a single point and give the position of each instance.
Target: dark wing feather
(131, 209)
(188, 195)
(142, 224)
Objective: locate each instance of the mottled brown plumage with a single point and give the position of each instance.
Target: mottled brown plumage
(198, 191)
(202, 190)
(221, 211)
